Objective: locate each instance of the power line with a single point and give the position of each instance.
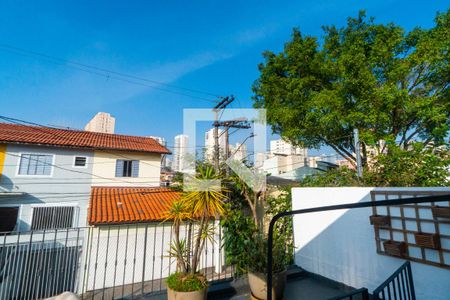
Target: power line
(107, 73)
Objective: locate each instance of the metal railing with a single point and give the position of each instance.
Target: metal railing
(104, 262)
(436, 198)
(399, 285)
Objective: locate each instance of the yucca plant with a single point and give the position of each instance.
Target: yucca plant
(202, 201)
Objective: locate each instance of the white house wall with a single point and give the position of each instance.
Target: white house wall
(104, 169)
(67, 185)
(341, 244)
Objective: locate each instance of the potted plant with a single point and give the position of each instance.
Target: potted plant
(197, 206)
(249, 251)
(257, 268)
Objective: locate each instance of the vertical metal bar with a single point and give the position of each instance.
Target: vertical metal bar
(27, 268)
(170, 244)
(6, 251)
(66, 260)
(40, 272)
(55, 261)
(411, 282)
(125, 261)
(162, 256)
(144, 258)
(12, 270)
(87, 262)
(134, 262)
(96, 262)
(394, 281)
(154, 255)
(76, 263)
(115, 262)
(16, 270)
(106, 263)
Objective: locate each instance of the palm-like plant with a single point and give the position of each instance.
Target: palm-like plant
(203, 200)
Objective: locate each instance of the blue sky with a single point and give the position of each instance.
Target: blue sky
(212, 46)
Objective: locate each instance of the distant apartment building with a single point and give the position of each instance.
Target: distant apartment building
(283, 157)
(101, 122)
(162, 141)
(330, 158)
(280, 146)
(238, 151)
(210, 143)
(180, 152)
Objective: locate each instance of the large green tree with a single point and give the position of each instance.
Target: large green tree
(388, 83)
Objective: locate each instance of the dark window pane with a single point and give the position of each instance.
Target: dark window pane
(80, 161)
(8, 218)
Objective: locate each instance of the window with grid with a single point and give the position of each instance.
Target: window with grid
(52, 217)
(35, 164)
(127, 168)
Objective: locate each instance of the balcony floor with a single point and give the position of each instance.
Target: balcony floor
(301, 285)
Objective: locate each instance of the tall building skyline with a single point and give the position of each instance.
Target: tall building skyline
(180, 152)
(209, 143)
(239, 150)
(101, 122)
(162, 141)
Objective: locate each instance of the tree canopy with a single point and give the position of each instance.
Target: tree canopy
(390, 84)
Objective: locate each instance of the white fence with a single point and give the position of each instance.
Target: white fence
(105, 262)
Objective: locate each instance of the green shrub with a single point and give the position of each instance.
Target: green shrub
(182, 282)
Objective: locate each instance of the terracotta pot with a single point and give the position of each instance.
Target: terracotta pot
(258, 285)
(195, 295)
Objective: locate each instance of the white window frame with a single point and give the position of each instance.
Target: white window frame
(76, 212)
(19, 159)
(80, 167)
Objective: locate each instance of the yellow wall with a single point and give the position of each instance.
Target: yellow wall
(2, 157)
(104, 165)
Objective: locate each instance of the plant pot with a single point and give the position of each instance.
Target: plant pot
(395, 248)
(441, 211)
(195, 295)
(380, 221)
(258, 285)
(427, 240)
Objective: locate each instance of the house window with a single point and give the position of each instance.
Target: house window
(127, 168)
(35, 164)
(80, 161)
(52, 217)
(8, 218)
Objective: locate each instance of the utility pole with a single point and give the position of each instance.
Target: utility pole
(219, 107)
(357, 152)
(240, 123)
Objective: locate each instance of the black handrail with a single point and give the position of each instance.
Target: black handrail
(405, 285)
(437, 198)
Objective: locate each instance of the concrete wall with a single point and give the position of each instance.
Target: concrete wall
(104, 169)
(340, 244)
(67, 185)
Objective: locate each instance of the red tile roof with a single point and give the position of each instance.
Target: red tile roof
(121, 205)
(22, 134)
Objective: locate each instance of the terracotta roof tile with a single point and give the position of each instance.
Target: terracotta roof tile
(120, 205)
(22, 134)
